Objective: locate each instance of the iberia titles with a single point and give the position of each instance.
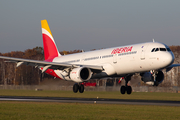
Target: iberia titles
(122, 50)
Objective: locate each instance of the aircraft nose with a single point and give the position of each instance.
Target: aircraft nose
(168, 58)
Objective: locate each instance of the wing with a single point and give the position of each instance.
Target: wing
(171, 66)
(49, 65)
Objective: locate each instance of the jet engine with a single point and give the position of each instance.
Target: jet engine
(80, 74)
(148, 78)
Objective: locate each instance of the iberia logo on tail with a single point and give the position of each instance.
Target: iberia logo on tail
(50, 48)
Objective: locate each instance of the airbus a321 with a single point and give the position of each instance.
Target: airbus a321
(147, 59)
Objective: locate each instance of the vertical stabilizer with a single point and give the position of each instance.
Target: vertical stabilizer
(50, 48)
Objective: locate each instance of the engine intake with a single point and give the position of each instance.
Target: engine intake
(148, 78)
(80, 74)
(160, 77)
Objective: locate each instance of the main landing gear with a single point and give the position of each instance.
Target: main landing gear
(126, 88)
(77, 87)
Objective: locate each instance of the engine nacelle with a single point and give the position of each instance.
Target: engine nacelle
(80, 74)
(148, 78)
(160, 77)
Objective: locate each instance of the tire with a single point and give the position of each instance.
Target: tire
(123, 89)
(129, 89)
(75, 88)
(156, 83)
(81, 88)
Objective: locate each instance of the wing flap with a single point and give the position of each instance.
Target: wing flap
(19, 64)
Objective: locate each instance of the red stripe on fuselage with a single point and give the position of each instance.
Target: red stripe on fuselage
(51, 71)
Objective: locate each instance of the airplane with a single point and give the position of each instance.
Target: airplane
(147, 59)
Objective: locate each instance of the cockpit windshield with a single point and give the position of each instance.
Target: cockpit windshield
(160, 49)
(157, 49)
(153, 50)
(168, 49)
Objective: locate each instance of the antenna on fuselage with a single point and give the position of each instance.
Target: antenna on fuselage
(153, 40)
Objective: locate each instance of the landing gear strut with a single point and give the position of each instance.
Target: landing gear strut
(155, 75)
(77, 87)
(126, 88)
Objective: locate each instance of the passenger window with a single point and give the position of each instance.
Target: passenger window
(153, 50)
(157, 49)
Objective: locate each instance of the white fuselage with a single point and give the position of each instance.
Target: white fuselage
(123, 60)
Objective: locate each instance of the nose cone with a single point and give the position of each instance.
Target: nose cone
(168, 58)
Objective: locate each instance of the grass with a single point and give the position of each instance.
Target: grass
(94, 94)
(78, 111)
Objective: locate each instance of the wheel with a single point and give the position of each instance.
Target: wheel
(75, 88)
(129, 89)
(81, 88)
(123, 89)
(156, 83)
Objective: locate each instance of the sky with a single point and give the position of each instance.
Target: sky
(88, 24)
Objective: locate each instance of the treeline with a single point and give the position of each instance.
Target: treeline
(24, 75)
(29, 75)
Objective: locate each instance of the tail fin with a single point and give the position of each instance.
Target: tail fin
(50, 48)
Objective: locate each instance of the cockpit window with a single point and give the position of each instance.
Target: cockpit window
(153, 50)
(157, 49)
(168, 49)
(162, 49)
